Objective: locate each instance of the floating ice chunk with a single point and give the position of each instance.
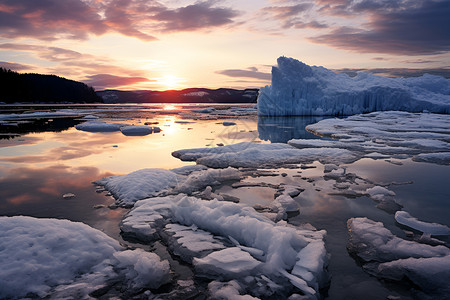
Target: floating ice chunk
(310, 261)
(406, 219)
(256, 253)
(378, 192)
(387, 256)
(327, 168)
(147, 218)
(227, 263)
(371, 241)
(68, 196)
(283, 205)
(186, 170)
(299, 89)
(188, 242)
(99, 126)
(136, 130)
(127, 189)
(204, 110)
(198, 180)
(143, 269)
(442, 158)
(384, 134)
(64, 113)
(227, 290)
(256, 155)
(431, 275)
(43, 258)
(376, 155)
(90, 117)
(262, 246)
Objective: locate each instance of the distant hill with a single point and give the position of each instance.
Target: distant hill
(38, 88)
(191, 95)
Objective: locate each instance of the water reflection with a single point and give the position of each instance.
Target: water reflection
(8, 129)
(283, 129)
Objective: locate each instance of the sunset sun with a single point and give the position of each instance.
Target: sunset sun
(170, 82)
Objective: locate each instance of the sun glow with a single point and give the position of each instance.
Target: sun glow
(170, 82)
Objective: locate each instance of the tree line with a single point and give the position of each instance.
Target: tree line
(38, 88)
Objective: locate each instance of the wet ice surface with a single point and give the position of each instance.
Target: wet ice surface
(293, 200)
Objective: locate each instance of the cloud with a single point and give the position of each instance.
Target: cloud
(396, 27)
(251, 73)
(77, 19)
(399, 72)
(49, 19)
(15, 66)
(196, 16)
(293, 16)
(104, 81)
(79, 65)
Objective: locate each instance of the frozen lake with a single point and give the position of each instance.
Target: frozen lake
(45, 159)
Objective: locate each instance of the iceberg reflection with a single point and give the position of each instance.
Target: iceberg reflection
(283, 129)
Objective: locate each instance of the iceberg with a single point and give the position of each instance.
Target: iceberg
(299, 89)
(58, 259)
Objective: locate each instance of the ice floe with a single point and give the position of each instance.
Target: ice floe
(406, 219)
(299, 89)
(129, 188)
(388, 256)
(227, 241)
(424, 136)
(145, 183)
(135, 130)
(258, 155)
(99, 126)
(64, 113)
(61, 259)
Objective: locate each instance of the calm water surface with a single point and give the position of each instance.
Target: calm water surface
(45, 159)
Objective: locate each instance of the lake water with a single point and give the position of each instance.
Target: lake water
(43, 159)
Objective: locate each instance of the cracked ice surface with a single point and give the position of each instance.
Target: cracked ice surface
(237, 244)
(423, 136)
(60, 259)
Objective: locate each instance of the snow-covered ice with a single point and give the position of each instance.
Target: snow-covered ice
(228, 263)
(59, 258)
(99, 126)
(236, 243)
(258, 155)
(129, 188)
(64, 113)
(388, 256)
(406, 219)
(136, 130)
(423, 136)
(152, 182)
(299, 89)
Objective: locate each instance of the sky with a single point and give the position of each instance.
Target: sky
(168, 44)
